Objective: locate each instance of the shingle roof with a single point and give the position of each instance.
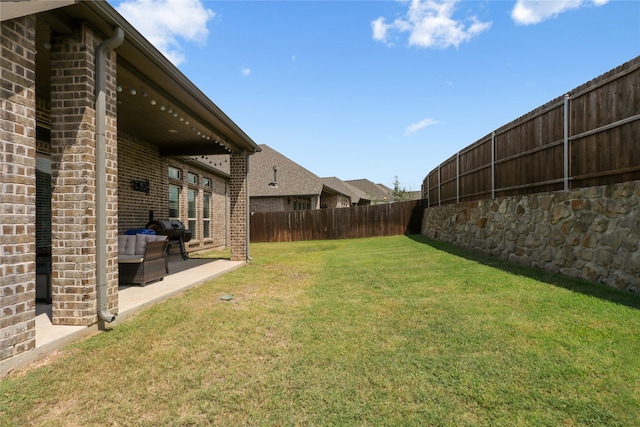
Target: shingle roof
(373, 191)
(292, 179)
(345, 188)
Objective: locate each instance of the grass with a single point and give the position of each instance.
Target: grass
(385, 331)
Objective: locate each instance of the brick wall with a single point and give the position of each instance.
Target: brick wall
(140, 161)
(238, 235)
(591, 233)
(17, 187)
(219, 209)
(219, 212)
(112, 166)
(269, 204)
(334, 201)
(73, 156)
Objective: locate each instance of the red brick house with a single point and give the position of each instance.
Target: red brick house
(99, 133)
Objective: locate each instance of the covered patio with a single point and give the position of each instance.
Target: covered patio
(184, 274)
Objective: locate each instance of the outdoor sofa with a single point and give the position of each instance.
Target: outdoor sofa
(142, 258)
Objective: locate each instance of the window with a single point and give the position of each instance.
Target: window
(192, 211)
(206, 215)
(174, 202)
(206, 182)
(192, 178)
(174, 173)
(302, 203)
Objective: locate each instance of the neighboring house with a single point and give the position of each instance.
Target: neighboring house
(356, 196)
(376, 193)
(277, 183)
(100, 133)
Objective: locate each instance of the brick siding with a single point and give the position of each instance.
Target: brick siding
(140, 161)
(238, 239)
(18, 187)
(269, 204)
(73, 203)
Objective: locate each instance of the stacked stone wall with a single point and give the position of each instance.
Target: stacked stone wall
(17, 187)
(591, 233)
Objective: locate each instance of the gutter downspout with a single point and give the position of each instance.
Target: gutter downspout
(101, 174)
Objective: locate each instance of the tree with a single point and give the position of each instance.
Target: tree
(400, 194)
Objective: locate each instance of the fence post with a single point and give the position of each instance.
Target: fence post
(566, 142)
(439, 194)
(458, 177)
(428, 192)
(493, 165)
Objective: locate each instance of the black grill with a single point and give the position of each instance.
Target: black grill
(175, 232)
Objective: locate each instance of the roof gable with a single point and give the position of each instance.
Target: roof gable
(342, 187)
(289, 178)
(373, 191)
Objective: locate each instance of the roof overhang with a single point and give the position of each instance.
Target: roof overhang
(157, 103)
(12, 9)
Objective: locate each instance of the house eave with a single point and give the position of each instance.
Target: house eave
(12, 9)
(141, 66)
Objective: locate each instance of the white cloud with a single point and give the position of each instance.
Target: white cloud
(419, 125)
(165, 22)
(430, 24)
(528, 12)
(245, 71)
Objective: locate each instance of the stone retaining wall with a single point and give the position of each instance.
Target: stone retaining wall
(591, 233)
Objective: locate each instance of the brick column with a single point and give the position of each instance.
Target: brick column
(17, 187)
(73, 157)
(238, 196)
(111, 163)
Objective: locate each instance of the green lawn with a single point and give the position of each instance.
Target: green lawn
(397, 331)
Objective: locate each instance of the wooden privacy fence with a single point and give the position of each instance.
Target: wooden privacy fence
(589, 137)
(389, 219)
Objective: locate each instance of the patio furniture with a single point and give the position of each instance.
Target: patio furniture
(142, 258)
(175, 231)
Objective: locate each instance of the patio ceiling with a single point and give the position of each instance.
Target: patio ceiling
(156, 102)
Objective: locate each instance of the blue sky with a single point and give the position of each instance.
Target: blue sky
(378, 89)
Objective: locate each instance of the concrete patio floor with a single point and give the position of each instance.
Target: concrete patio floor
(184, 274)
